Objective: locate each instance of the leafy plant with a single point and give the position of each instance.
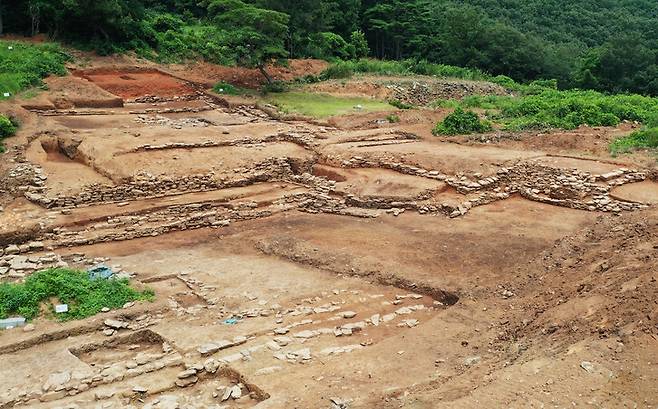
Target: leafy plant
(461, 122)
(8, 127)
(393, 118)
(551, 108)
(84, 296)
(643, 139)
(25, 65)
(399, 104)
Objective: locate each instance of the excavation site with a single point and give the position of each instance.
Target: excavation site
(352, 260)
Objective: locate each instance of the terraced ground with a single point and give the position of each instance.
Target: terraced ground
(344, 262)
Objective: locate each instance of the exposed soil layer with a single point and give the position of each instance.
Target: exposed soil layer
(210, 74)
(130, 84)
(359, 263)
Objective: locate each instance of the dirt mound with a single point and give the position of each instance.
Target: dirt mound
(79, 93)
(210, 74)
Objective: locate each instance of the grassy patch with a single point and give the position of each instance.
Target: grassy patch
(25, 65)
(323, 105)
(462, 122)
(643, 139)
(345, 69)
(225, 88)
(84, 296)
(549, 108)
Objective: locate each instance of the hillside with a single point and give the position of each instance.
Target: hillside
(604, 45)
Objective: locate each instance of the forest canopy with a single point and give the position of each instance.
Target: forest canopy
(607, 45)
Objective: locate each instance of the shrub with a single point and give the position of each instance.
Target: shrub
(462, 122)
(85, 297)
(393, 118)
(337, 71)
(399, 104)
(276, 87)
(643, 139)
(7, 127)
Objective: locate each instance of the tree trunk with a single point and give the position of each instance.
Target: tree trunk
(1, 27)
(267, 76)
(34, 14)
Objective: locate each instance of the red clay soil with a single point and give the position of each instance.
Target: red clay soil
(210, 74)
(133, 84)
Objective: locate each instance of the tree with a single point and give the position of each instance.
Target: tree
(359, 44)
(257, 35)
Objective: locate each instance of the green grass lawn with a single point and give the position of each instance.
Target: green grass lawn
(324, 105)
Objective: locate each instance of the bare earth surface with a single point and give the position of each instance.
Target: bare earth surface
(355, 264)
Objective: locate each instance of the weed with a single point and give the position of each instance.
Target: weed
(25, 65)
(399, 104)
(550, 108)
(643, 139)
(394, 119)
(85, 297)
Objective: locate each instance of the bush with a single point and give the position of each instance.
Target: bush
(462, 122)
(643, 139)
(275, 87)
(85, 297)
(337, 71)
(399, 104)
(394, 119)
(7, 127)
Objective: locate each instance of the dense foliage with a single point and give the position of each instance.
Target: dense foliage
(607, 45)
(462, 122)
(545, 108)
(84, 296)
(643, 139)
(23, 65)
